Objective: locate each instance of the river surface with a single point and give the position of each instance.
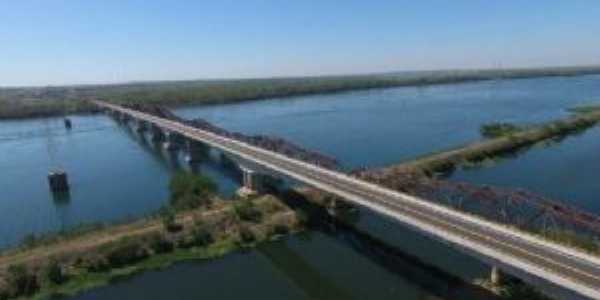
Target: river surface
(116, 175)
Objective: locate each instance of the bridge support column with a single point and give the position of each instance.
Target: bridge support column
(332, 207)
(141, 126)
(112, 113)
(196, 151)
(123, 118)
(496, 276)
(157, 134)
(172, 141)
(251, 182)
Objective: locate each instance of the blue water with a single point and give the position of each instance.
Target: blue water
(566, 171)
(309, 266)
(381, 127)
(114, 175)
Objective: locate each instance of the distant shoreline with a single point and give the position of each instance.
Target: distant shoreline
(23, 103)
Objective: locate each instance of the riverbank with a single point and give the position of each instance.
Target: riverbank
(508, 139)
(73, 264)
(57, 101)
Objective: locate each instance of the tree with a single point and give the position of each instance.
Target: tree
(190, 191)
(160, 245)
(167, 216)
(54, 273)
(201, 236)
(21, 281)
(246, 235)
(246, 211)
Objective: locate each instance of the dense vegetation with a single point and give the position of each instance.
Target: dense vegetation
(495, 130)
(47, 101)
(190, 191)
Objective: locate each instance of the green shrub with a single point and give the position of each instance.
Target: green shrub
(302, 217)
(518, 291)
(160, 245)
(190, 191)
(96, 263)
(246, 235)
(494, 130)
(126, 253)
(54, 273)
(280, 229)
(21, 281)
(4, 295)
(246, 211)
(202, 237)
(167, 216)
(185, 242)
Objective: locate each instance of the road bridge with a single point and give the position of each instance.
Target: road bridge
(559, 271)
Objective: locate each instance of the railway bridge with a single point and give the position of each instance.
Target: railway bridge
(556, 270)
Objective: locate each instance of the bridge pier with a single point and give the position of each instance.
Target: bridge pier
(158, 134)
(172, 141)
(196, 151)
(251, 182)
(496, 276)
(123, 118)
(141, 126)
(116, 115)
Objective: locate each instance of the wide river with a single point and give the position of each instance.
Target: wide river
(116, 175)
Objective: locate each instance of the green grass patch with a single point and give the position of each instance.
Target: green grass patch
(499, 129)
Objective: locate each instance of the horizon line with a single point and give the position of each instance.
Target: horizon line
(291, 77)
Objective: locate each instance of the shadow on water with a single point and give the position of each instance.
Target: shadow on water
(428, 277)
(62, 201)
(431, 278)
(304, 276)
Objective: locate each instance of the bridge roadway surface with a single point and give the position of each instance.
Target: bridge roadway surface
(547, 265)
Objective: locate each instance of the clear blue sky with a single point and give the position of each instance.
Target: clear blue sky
(60, 42)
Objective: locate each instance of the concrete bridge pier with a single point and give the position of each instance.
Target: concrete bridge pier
(496, 276)
(332, 207)
(141, 126)
(173, 141)
(196, 151)
(113, 114)
(157, 133)
(251, 182)
(123, 118)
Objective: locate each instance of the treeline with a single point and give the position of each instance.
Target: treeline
(49, 101)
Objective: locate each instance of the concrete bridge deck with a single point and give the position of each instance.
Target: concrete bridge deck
(558, 271)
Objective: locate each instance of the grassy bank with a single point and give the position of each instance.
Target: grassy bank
(195, 225)
(504, 139)
(54, 101)
(99, 257)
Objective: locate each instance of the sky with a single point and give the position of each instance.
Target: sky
(74, 42)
